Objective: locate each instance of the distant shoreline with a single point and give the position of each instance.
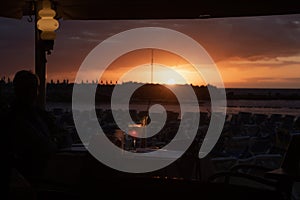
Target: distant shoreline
(283, 107)
(62, 92)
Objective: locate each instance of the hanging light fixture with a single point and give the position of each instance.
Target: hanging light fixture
(47, 24)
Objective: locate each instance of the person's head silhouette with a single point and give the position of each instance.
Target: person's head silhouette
(26, 87)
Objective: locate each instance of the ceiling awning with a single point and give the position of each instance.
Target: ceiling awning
(152, 9)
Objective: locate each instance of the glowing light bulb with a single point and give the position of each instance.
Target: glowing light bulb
(47, 24)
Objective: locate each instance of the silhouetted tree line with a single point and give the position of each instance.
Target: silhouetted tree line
(263, 94)
(61, 91)
(154, 93)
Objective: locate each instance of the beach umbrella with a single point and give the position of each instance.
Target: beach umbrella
(47, 12)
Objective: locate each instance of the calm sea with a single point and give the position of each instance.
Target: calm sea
(284, 107)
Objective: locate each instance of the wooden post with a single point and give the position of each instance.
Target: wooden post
(40, 62)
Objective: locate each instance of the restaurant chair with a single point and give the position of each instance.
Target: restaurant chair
(280, 180)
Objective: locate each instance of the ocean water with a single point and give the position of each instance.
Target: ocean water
(284, 107)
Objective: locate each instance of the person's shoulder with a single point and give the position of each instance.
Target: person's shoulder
(48, 118)
(6, 113)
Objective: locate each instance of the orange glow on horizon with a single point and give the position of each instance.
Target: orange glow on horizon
(236, 72)
(136, 66)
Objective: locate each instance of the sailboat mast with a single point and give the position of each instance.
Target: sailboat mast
(151, 66)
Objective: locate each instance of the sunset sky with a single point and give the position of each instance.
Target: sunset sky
(250, 52)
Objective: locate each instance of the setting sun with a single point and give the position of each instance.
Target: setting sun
(171, 81)
(161, 74)
(138, 66)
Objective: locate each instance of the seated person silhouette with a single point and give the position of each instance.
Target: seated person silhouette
(32, 133)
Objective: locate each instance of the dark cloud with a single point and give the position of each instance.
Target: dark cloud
(292, 79)
(16, 45)
(264, 84)
(268, 82)
(247, 37)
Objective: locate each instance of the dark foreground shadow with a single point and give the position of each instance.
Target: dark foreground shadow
(94, 180)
